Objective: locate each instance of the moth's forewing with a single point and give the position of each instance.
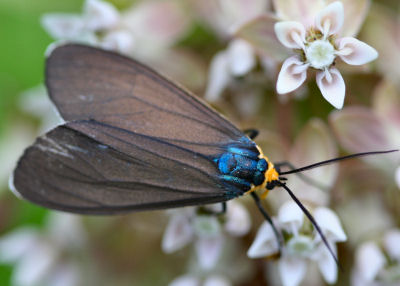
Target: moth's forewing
(133, 140)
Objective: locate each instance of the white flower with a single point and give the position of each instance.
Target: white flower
(318, 47)
(146, 30)
(300, 245)
(205, 230)
(190, 280)
(237, 60)
(98, 15)
(239, 57)
(38, 257)
(378, 264)
(16, 137)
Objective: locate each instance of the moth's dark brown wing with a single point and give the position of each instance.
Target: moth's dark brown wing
(88, 83)
(68, 170)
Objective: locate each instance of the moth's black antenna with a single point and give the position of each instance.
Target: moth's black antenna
(303, 177)
(268, 218)
(330, 161)
(314, 223)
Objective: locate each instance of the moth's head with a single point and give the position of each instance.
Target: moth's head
(270, 174)
(271, 177)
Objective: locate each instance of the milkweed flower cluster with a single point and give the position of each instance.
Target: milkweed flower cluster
(301, 243)
(314, 34)
(239, 58)
(145, 30)
(253, 50)
(319, 46)
(206, 230)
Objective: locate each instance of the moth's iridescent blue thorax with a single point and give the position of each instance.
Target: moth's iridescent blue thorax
(244, 166)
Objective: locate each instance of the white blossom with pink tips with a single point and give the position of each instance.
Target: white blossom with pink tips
(318, 46)
(300, 246)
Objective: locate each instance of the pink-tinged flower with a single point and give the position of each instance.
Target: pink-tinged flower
(318, 46)
(300, 245)
(225, 16)
(382, 31)
(356, 210)
(239, 58)
(378, 263)
(369, 129)
(205, 230)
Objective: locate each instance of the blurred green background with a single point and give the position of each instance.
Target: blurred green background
(21, 67)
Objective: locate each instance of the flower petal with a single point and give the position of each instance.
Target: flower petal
(292, 271)
(185, 280)
(219, 76)
(358, 128)
(367, 208)
(237, 12)
(121, 41)
(369, 260)
(332, 86)
(291, 34)
(100, 15)
(303, 11)
(178, 233)
(330, 19)
(14, 245)
(355, 52)
(327, 265)
(208, 251)
(265, 243)
(15, 138)
(35, 265)
(58, 222)
(260, 33)
(63, 26)
(355, 12)
(391, 243)
(216, 280)
(386, 104)
(156, 23)
(290, 217)
(238, 221)
(291, 76)
(225, 16)
(241, 57)
(330, 224)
